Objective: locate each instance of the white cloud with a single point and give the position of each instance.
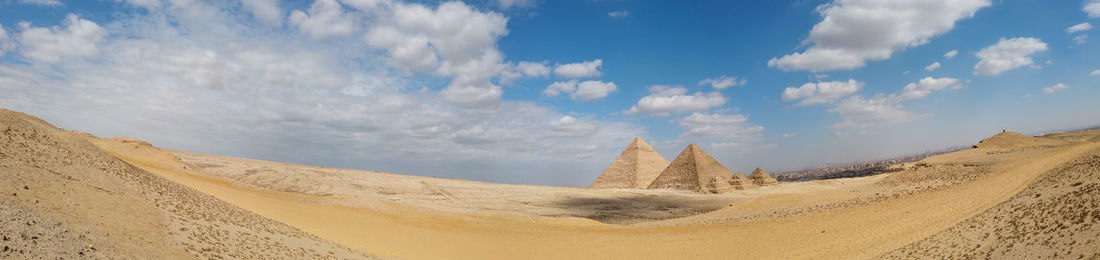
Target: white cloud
(523, 70)
(42, 2)
(1093, 9)
(325, 18)
(924, 87)
(933, 66)
(6, 43)
(267, 11)
(665, 100)
(951, 54)
(719, 127)
(77, 39)
(857, 112)
(1007, 54)
(821, 92)
(585, 69)
(853, 32)
(560, 87)
(276, 95)
(1055, 88)
(1081, 39)
(586, 91)
(723, 82)
(1081, 27)
(618, 14)
(452, 40)
(571, 126)
(593, 90)
(509, 4)
(1095, 73)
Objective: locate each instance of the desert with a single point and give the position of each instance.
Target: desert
(69, 193)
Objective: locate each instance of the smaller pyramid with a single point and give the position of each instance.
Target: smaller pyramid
(694, 170)
(759, 177)
(740, 182)
(635, 168)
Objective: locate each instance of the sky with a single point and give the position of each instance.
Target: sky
(550, 92)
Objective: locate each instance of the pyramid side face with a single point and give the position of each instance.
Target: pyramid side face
(680, 174)
(636, 167)
(709, 168)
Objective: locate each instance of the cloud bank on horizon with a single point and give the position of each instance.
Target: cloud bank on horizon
(521, 91)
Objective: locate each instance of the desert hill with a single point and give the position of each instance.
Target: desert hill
(69, 194)
(65, 198)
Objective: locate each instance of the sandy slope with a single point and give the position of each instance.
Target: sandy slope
(64, 198)
(415, 217)
(966, 204)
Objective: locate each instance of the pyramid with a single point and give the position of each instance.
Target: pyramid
(740, 182)
(694, 170)
(759, 177)
(635, 168)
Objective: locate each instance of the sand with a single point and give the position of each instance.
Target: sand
(976, 202)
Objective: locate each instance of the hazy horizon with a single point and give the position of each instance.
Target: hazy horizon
(550, 92)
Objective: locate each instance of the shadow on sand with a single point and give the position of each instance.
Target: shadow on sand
(640, 208)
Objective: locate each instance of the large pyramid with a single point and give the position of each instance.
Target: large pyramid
(635, 168)
(759, 177)
(694, 170)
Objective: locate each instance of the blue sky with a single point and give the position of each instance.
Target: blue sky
(549, 92)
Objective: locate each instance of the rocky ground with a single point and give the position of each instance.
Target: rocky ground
(65, 198)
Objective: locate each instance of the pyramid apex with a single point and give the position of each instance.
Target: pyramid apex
(638, 143)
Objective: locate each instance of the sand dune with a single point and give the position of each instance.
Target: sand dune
(65, 198)
(1012, 197)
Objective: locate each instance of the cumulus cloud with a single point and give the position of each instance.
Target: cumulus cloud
(585, 69)
(78, 38)
(267, 11)
(933, 66)
(924, 87)
(821, 92)
(1095, 73)
(560, 87)
(1007, 54)
(42, 2)
(856, 111)
(1092, 8)
(593, 90)
(586, 91)
(666, 100)
(618, 14)
(853, 32)
(523, 70)
(325, 18)
(1055, 88)
(951, 54)
(275, 95)
(452, 40)
(1081, 27)
(570, 126)
(723, 82)
(722, 129)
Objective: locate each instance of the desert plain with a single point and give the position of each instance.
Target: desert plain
(67, 194)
